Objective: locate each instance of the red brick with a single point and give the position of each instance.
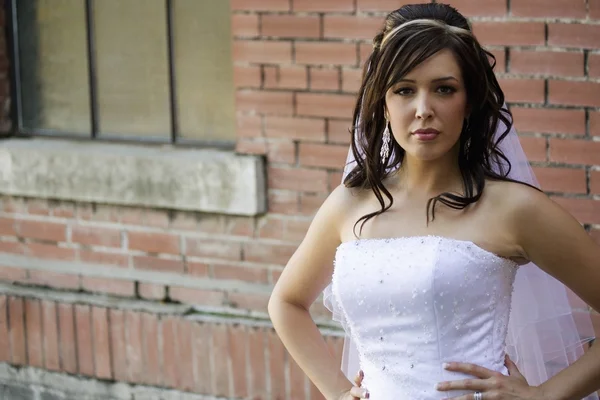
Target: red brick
(262, 52)
(185, 362)
(586, 211)
(339, 131)
(108, 285)
(67, 338)
(196, 296)
(13, 247)
(37, 206)
(118, 345)
(574, 35)
(310, 203)
(152, 374)
(308, 180)
(249, 301)
(201, 342)
(134, 350)
(595, 182)
(169, 351)
(260, 5)
(567, 180)
(64, 210)
(13, 274)
(85, 344)
(276, 361)
(197, 269)
(546, 9)
(4, 330)
(364, 51)
(594, 65)
(244, 25)
(256, 358)
(277, 151)
(41, 230)
(574, 151)
(523, 90)
(546, 63)
(282, 202)
(323, 155)
(102, 362)
(247, 76)
(351, 80)
(269, 253)
(510, 33)
(594, 9)
(543, 120)
(50, 338)
(51, 251)
(295, 230)
(152, 291)
(280, 77)
(351, 27)
(265, 102)
(479, 8)
(325, 105)
(335, 178)
(534, 148)
(238, 345)
(382, 5)
(290, 26)
(16, 329)
(101, 257)
(239, 273)
(324, 79)
(214, 248)
(33, 327)
(220, 359)
(155, 218)
(323, 5)
(594, 123)
(96, 236)
(295, 128)
(158, 264)
(574, 93)
(54, 279)
(321, 53)
(154, 242)
(8, 227)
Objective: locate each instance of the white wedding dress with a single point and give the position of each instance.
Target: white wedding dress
(414, 303)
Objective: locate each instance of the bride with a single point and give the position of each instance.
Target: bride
(446, 266)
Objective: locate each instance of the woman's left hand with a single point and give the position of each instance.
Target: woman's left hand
(492, 384)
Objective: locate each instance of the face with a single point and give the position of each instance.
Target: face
(427, 108)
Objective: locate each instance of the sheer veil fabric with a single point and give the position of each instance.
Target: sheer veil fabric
(549, 326)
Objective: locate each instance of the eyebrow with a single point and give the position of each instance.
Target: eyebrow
(445, 78)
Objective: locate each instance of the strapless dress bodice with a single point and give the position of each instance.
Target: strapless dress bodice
(414, 303)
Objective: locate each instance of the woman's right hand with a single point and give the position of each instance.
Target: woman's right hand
(356, 392)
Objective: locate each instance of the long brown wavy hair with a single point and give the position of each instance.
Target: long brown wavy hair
(410, 36)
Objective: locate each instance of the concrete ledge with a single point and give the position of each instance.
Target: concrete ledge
(163, 177)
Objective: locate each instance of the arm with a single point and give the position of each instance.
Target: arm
(552, 239)
(305, 276)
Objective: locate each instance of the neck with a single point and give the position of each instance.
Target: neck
(430, 178)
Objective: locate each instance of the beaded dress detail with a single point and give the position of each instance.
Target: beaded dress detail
(414, 303)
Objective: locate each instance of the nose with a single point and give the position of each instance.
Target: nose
(423, 109)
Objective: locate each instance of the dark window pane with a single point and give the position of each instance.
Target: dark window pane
(132, 65)
(203, 69)
(54, 66)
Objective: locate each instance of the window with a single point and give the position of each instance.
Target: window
(150, 70)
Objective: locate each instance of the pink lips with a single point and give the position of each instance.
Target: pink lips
(426, 134)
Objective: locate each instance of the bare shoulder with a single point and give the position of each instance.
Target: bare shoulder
(513, 198)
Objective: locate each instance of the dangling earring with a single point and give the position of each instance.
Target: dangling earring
(385, 144)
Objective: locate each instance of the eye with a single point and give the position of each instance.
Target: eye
(446, 89)
(403, 91)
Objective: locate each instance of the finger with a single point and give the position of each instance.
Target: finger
(471, 369)
(465, 384)
(360, 393)
(359, 378)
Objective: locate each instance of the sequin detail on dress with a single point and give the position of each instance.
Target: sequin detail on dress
(413, 303)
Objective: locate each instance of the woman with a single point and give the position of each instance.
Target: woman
(428, 233)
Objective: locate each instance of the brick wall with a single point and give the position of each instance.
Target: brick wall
(112, 298)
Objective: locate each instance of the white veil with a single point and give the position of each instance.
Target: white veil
(549, 326)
